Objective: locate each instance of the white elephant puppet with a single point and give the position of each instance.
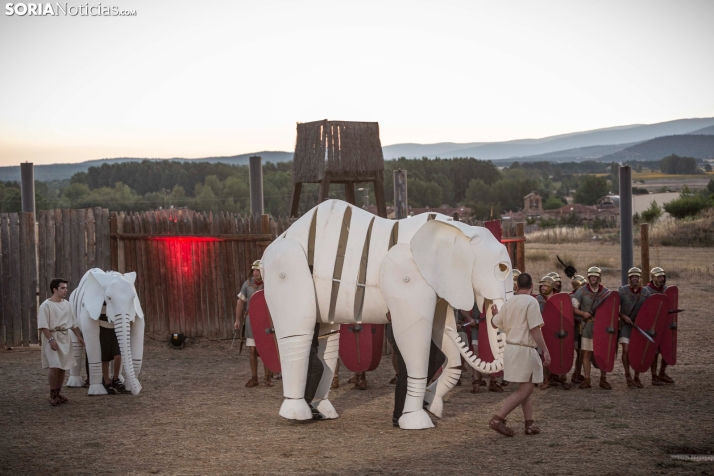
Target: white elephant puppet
(124, 314)
(339, 264)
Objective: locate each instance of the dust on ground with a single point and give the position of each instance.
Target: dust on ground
(194, 415)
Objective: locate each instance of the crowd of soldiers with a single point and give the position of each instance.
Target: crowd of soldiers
(584, 295)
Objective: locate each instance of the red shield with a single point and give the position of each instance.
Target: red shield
(607, 318)
(361, 346)
(484, 347)
(558, 333)
(263, 332)
(668, 347)
(652, 319)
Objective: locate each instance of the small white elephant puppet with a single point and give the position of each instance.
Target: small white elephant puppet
(339, 264)
(124, 315)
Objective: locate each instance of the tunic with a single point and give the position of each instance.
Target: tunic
(542, 299)
(630, 303)
(516, 318)
(248, 289)
(58, 318)
(583, 299)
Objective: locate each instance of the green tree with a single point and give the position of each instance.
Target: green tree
(553, 203)
(687, 206)
(653, 213)
(674, 164)
(591, 189)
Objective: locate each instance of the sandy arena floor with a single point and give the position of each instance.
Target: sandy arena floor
(194, 415)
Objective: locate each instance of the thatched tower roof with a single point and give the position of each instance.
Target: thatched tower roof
(345, 151)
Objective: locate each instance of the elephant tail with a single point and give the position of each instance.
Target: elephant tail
(473, 361)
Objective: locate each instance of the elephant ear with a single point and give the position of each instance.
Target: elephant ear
(93, 291)
(442, 251)
(131, 278)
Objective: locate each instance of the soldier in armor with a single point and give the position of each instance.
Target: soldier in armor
(557, 282)
(632, 296)
(547, 290)
(658, 284)
(577, 282)
(583, 301)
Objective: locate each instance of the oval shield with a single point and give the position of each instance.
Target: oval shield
(651, 320)
(607, 322)
(361, 346)
(668, 347)
(558, 333)
(263, 332)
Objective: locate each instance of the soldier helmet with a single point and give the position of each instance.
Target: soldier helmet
(634, 272)
(657, 272)
(256, 264)
(554, 275)
(547, 281)
(516, 273)
(594, 271)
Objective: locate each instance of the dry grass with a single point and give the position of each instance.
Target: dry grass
(537, 256)
(194, 415)
(698, 231)
(560, 234)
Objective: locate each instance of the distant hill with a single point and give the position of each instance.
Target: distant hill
(697, 146)
(530, 147)
(65, 171)
(594, 152)
(707, 130)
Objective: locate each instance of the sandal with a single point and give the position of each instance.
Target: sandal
(475, 387)
(657, 382)
(493, 386)
(545, 385)
(499, 424)
(335, 382)
(585, 383)
(253, 382)
(665, 378)
(54, 401)
(605, 385)
(393, 382)
(566, 386)
(637, 382)
(531, 429)
(577, 379)
(268, 382)
(61, 398)
(630, 382)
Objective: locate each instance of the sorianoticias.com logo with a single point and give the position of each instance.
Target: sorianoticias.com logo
(64, 9)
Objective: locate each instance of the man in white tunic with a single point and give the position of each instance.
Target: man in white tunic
(520, 320)
(54, 320)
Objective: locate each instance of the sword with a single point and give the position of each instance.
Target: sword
(675, 311)
(649, 337)
(242, 337)
(234, 338)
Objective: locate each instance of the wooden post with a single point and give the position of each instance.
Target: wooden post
(625, 221)
(324, 189)
(401, 204)
(521, 247)
(350, 192)
(27, 181)
(113, 229)
(295, 199)
(265, 224)
(255, 168)
(645, 249)
(379, 196)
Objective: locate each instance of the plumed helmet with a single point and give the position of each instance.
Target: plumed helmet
(578, 281)
(547, 281)
(256, 264)
(594, 271)
(554, 275)
(657, 272)
(634, 272)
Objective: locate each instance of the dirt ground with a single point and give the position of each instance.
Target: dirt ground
(194, 415)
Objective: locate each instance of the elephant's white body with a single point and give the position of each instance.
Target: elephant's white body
(340, 264)
(124, 315)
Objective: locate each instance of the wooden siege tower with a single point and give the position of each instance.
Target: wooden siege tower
(338, 152)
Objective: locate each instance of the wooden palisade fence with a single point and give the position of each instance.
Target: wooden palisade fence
(18, 279)
(190, 266)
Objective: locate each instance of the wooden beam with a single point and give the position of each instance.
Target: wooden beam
(350, 192)
(645, 249)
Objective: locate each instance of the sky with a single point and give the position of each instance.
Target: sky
(218, 78)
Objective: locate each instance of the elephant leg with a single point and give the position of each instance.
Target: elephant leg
(290, 295)
(444, 315)
(327, 352)
(75, 373)
(94, 356)
(411, 302)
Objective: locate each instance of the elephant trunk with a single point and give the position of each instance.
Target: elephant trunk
(122, 329)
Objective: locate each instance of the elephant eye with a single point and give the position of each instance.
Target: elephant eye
(109, 298)
(501, 271)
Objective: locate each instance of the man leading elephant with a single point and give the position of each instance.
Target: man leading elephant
(255, 283)
(521, 320)
(54, 320)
